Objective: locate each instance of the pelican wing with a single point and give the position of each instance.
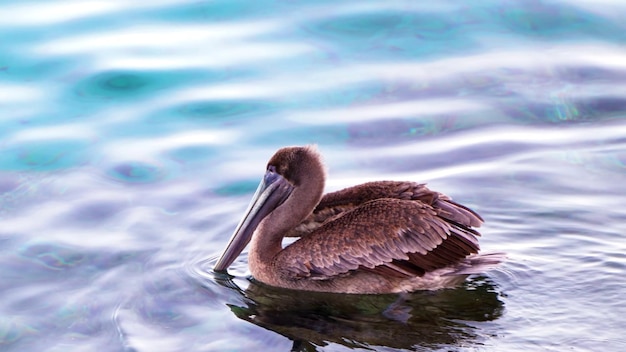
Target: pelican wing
(403, 238)
(334, 204)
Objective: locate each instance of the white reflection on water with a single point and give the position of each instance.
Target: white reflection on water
(45, 14)
(151, 149)
(517, 72)
(422, 107)
(48, 14)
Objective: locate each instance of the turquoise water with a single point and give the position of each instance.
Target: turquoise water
(133, 134)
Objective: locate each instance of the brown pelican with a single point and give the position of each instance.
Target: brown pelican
(377, 237)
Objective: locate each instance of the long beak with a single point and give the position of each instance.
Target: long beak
(272, 192)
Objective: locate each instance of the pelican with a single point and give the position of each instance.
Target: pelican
(373, 238)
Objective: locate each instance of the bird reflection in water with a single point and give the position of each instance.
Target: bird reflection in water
(420, 320)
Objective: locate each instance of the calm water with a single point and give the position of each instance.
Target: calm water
(133, 134)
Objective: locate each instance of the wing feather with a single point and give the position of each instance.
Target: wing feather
(413, 237)
(335, 204)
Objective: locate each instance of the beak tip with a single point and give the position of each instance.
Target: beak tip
(220, 267)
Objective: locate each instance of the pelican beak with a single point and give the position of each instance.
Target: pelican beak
(272, 192)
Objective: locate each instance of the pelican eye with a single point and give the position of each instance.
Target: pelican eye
(271, 175)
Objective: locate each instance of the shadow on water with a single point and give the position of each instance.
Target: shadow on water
(416, 321)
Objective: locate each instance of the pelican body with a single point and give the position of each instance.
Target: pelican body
(377, 237)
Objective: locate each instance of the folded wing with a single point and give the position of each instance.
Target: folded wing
(389, 236)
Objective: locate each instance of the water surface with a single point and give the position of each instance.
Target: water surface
(133, 135)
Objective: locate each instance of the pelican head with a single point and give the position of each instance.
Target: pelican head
(292, 172)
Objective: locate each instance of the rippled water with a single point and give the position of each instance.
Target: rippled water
(132, 135)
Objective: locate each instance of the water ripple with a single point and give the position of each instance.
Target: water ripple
(133, 134)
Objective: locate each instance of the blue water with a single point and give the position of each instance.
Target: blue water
(133, 134)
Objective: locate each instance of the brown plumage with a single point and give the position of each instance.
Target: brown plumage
(377, 237)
